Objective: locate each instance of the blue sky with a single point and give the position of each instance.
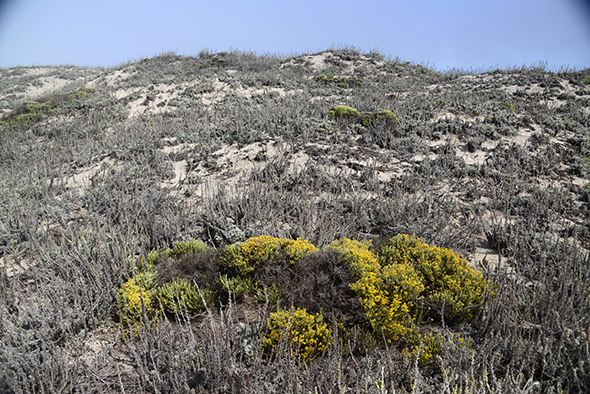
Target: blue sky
(465, 34)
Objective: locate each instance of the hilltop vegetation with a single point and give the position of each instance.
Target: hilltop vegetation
(229, 222)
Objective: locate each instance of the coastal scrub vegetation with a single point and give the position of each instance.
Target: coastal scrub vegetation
(329, 222)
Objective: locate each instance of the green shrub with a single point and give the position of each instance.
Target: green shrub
(349, 114)
(33, 111)
(183, 248)
(270, 294)
(343, 111)
(179, 250)
(248, 255)
(386, 116)
(306, 335)
(181, 296)
(152, 257)
(238, 286)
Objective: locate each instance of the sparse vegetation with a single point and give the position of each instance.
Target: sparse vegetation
(274, 193)
(342, 82)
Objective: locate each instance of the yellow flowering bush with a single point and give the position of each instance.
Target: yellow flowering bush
(386, 295)
(247, 256)
(394, 289)
(447, 277)
(425, 348)
(389, 286)
(307, 335)
(357, 254)
(297, 248)
(135, 299)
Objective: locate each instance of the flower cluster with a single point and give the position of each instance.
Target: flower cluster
(246, 256)
(387, 294)
(448, 278)
(306, 335)
(407, 270)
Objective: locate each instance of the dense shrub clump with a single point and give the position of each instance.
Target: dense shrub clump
(182, 248)
(386, 295)
(305, 334)
(246, 256)
(141, 297)
(181, 296)
(347, 114)
(448, 279)
(399, 286)
(397, 289)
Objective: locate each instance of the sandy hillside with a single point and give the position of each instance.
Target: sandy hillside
(102, 166)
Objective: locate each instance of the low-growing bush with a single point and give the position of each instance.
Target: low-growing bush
(306, 335)
(182, 248)
(343, 111)
(135, 301)
(180, 296)
(246, 256)
(238, 286)
(448, 279)
(408, 277)
(33, 111)
(385, 117)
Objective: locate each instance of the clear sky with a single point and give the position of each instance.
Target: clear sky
(467, 34)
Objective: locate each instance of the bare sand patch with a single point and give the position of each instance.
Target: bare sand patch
(83, 179)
